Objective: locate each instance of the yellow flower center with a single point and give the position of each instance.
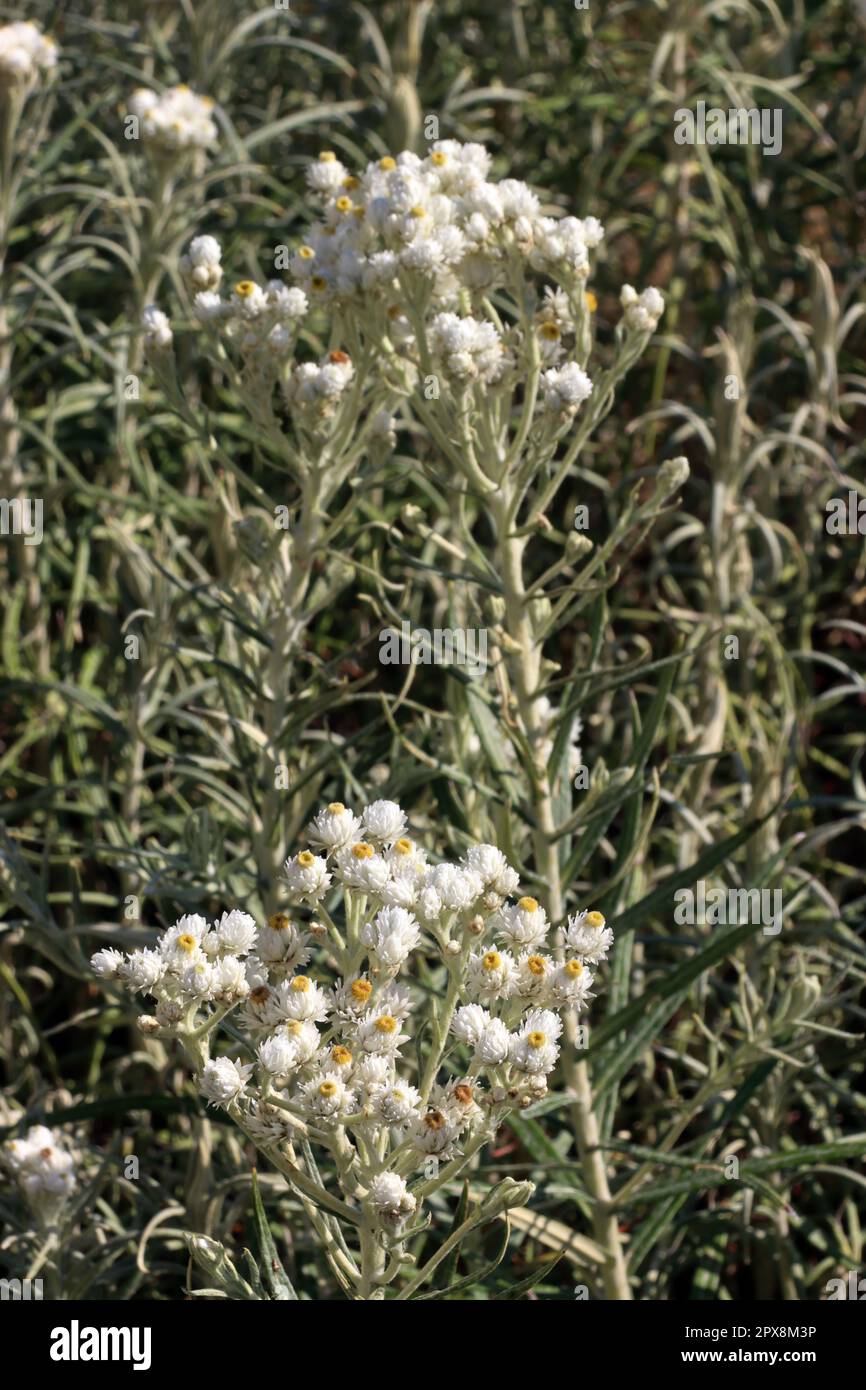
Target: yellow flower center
(244, 288)
(305, 859)
(492, 960)
(388, 163)
(417, 211)
(594, 919)
(336, 808)
(438, 158)
(187, 943)
(591, 301)
(294, 1026)
(278, 922)
(318, 282)
(535, 965)
(306, 253)
(344, 204)
(363, 850)
(341, 1055)
(386, 1024)
(361, 990)
(403, 846)
(536, 1039)
(550, 330)
(394, 311)
(528, 905)
(300, 984)
(573, 969)
(350, 181)
(327, 157)
(328, 1088)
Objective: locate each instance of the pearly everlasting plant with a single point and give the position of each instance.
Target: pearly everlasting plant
(342, 1038)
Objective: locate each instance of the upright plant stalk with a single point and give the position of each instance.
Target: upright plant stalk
(526, 665)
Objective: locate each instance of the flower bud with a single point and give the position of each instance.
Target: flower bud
(506, 1195)
(671, 477)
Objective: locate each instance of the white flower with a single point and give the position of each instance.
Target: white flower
(327, 174)
(373, 1071)
(396, 1104)
(359, 866)
(223, 1081)
(158, 336)
(209, 307)
(383, 821)
(389, 1193)
(107, 962)
(391, 936)
(380, 1032)
(197, 980)
(488, 862)
(333, 827)
(307, 876)
(236, 931)
(428, 905)
(490, 975)
(456, 888)
(299, 999)
(431, 1133)
(521, 924)
(142, 969)
(569, 985)
(280, 941)
(492, 1046)
(565, 388)
(534, 1048)
(326, 1095)
(457, 1101)
(533, 973)
(589, 938)
(469, 1022)
(278, 1054)
(230, 980)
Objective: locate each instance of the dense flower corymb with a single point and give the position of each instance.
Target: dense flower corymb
(330, 1036)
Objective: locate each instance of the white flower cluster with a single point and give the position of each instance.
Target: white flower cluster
(44, 1171)
(642, 311)
(406, 253)
(25, 53)
(440, 218)
(175, 120)
(193, 964)
(328, 1054)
